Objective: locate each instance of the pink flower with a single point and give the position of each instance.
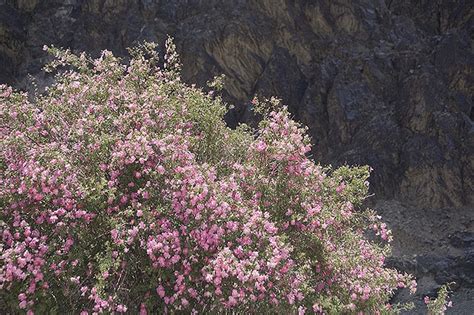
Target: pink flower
(123, 199)
(340, 188)
(143, 310)
(184, 302)
(161, 291)
(160, 169)
(413, 286)
(121, 308)
(317, 308)
(261, 146)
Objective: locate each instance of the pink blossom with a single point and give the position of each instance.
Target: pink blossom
(128, 180)
(261, 146)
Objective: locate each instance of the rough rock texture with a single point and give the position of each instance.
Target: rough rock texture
(385, 83)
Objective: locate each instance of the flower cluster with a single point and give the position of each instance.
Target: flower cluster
(123, 190)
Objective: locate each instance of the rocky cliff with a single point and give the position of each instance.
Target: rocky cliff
(385, 83)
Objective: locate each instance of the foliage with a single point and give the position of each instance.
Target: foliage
(123, 190)
(441, 303)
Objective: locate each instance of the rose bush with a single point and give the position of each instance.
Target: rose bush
(123, 190)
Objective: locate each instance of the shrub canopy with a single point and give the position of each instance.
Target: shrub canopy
(123, 190)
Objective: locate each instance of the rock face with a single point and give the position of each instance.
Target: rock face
(385, 83)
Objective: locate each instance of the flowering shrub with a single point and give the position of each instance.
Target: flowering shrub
(122, 190)
(441, 303)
